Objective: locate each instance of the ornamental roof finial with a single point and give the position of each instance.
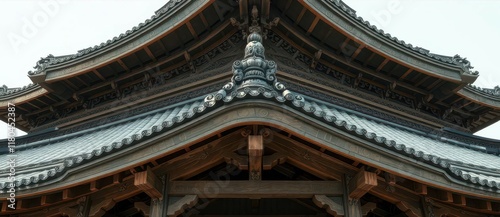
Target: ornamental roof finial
(253, 75)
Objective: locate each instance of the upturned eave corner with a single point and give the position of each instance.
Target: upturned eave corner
(54, 68)
(453, 68)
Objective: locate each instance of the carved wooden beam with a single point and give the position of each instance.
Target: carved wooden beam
(149, 183)
(178, 205)
(255, 151)
(204, 157)
(239, 161)
(309, 159)
(361, 183)
(251, 189)
(270, 161)
(331, 205)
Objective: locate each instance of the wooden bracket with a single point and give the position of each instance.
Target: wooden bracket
(178, 205)
(332, 205)
(149, 183)
(361, 183)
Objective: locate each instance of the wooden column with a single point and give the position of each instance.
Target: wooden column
(354, 189)
(255, 152)
(156, 189)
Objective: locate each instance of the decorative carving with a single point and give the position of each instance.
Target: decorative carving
(333, 205)
(157, 83)
(42, 64)
(429, 207)
(254, 75)
(464, 63)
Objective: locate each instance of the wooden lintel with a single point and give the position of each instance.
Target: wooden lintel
(177, 207)
(255, 151)
(149, 183)
(361, 183)
(251, 189)
(332, 206)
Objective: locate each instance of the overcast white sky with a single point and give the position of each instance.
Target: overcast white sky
(35, 28)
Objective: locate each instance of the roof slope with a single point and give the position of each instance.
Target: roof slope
(254, 77)
(51, 158)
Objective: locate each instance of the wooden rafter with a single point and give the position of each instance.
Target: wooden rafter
(313, 25)
(70, 84)
(98, 74)
(288, 4)
(381, 66)
(150, 54)
(358, 51)
(405, 74)
(300, 16)
(191, 30)
(204, 21)
(340, 59)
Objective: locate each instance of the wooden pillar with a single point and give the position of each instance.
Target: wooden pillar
(255, 152)
(156, 189)
(354, 189)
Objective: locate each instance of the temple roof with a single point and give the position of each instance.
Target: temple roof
(50, 158)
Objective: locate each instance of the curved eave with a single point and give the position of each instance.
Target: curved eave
(351, 135)
(480, 97)
(21, 95)
(352, 26)
(140, 37)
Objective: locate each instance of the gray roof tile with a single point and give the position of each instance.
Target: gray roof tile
(50, 158)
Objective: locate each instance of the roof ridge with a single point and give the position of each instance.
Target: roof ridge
(6, 91)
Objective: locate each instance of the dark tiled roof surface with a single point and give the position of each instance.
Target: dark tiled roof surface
(50, 158)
